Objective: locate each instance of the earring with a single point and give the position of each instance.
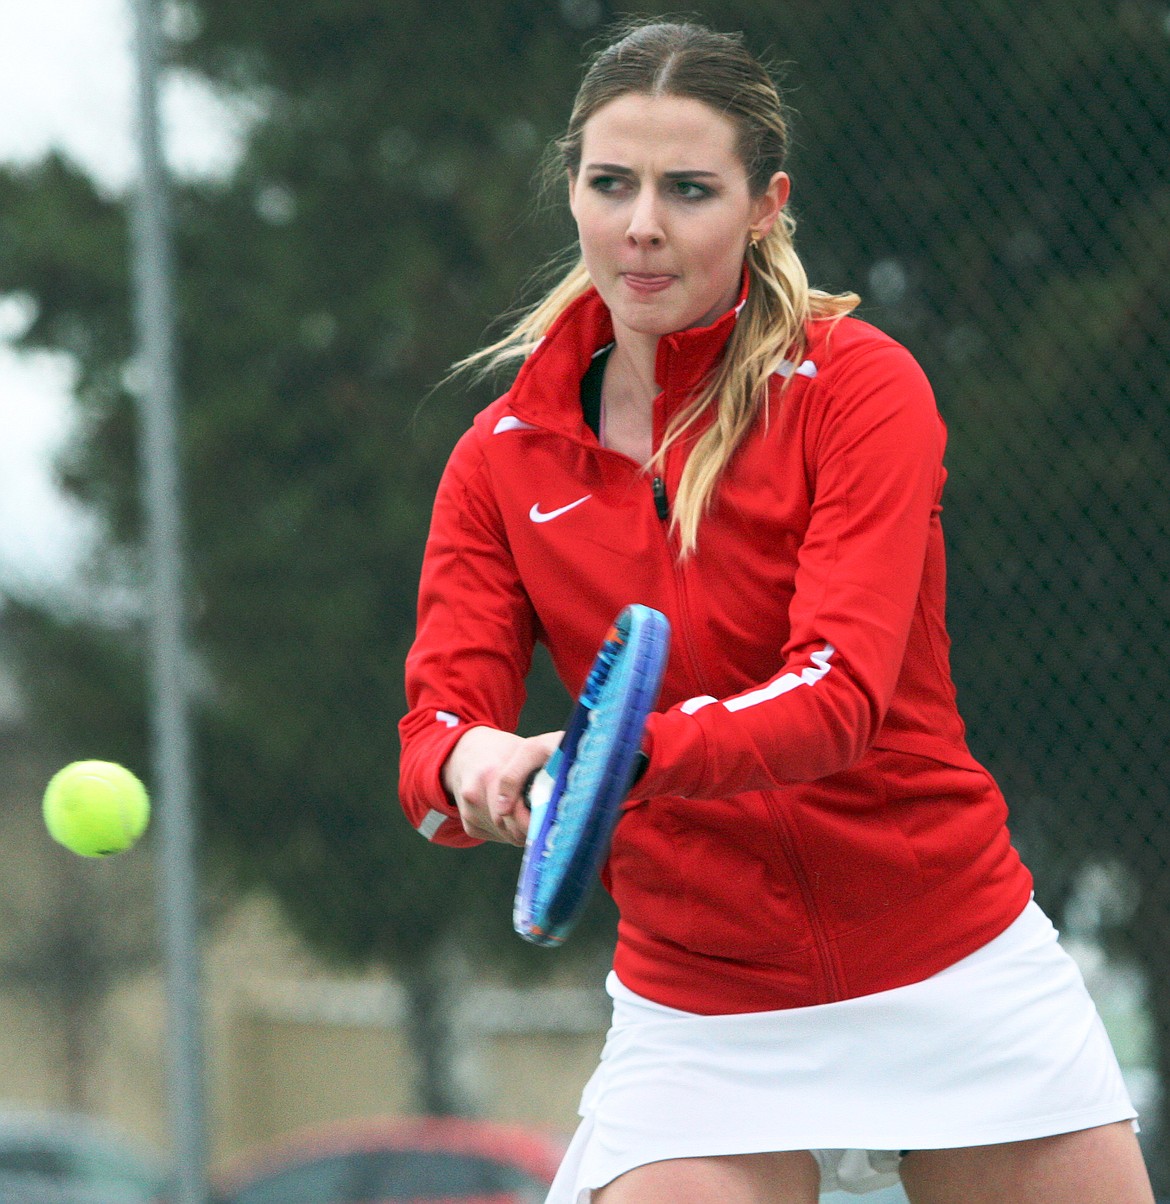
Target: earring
(753, 240)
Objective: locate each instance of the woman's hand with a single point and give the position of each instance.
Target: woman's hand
(485, 774)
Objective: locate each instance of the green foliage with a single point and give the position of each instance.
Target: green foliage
(365, 240)
(83, 682)
(379, 218)
(65, 246)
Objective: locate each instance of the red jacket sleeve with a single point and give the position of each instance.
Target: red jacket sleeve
(473, 643)
(873, 452)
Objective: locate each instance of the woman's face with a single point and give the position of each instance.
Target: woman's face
(664, 213)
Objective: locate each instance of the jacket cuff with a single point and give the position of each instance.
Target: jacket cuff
(675, 749)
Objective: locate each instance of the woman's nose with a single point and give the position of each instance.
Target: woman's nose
(645, 228)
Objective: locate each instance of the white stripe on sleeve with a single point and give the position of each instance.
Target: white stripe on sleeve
(431, 823)
(808, 676)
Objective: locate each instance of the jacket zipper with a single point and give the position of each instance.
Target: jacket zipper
(662, 510)
(788, 843)
(683, 632)
(661, 505)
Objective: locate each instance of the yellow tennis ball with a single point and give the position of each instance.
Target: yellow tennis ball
(96, 808)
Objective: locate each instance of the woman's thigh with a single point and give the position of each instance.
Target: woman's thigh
(1094, 1166)
(791, 1177)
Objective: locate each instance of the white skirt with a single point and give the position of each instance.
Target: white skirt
(1004, 1045)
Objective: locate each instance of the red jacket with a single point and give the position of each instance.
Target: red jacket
(811, 825)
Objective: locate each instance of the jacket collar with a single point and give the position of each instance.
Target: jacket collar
(547, 388)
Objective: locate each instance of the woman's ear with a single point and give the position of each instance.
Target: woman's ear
(766, 207)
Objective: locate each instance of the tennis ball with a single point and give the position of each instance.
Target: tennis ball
(96, 808)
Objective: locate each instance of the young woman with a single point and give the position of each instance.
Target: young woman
(829, 971)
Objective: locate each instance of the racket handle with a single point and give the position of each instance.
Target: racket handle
(526, 793)
(541, 782)
(641, 760)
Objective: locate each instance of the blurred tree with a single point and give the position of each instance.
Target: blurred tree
(376, 220)
(66, 944)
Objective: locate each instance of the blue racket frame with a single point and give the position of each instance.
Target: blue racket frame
(576, 798)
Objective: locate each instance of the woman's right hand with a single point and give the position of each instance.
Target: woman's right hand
(485, 773)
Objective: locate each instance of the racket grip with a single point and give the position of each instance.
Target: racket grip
(541, 783)
(641, 761)
(526, 793)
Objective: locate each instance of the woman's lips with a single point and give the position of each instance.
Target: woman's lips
(646, 282)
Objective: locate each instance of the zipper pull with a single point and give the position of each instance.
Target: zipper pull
(658, 488)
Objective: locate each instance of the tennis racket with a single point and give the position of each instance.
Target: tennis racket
(577, 796)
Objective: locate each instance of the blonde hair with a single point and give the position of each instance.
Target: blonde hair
(690, 61)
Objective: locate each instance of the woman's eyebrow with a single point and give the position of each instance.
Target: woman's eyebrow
(616, 169)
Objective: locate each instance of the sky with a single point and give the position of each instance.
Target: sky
(67, 82)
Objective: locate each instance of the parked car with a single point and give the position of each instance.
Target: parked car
(397, 1160)
(65, 1158)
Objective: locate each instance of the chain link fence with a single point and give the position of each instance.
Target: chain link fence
(995, 180)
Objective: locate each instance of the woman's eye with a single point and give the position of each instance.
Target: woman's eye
(690, 191)
(606, 183)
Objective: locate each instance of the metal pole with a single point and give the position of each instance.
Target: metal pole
(177, 888)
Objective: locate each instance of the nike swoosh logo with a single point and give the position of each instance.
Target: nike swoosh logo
(539, 516)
